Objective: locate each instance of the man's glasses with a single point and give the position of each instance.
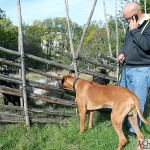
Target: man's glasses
(130, 17)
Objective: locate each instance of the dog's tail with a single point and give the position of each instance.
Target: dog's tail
(137, 104)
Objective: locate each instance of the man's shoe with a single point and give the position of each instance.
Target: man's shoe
(132, 134)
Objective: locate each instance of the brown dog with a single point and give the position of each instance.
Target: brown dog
(91, 96)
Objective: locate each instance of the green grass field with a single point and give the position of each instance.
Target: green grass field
(66, 137)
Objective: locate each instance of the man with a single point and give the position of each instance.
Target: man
(136, 54)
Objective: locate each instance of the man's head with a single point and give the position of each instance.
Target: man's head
(131, 10)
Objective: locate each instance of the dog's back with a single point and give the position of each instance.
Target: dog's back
(100, 96)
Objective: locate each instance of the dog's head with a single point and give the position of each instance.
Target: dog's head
(67, 82)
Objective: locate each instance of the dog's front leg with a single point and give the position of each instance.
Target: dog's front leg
(90, 119)
(82, 113)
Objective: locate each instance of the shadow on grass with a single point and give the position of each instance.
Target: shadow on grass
(102, 116)
(146, 115)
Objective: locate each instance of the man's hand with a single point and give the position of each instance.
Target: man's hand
(121, 57)
(133, 24)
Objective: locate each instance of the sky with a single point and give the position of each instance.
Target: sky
(79, 10)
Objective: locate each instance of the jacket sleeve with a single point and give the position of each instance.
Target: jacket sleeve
(142, 39)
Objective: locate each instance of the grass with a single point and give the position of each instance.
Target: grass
(66, 137)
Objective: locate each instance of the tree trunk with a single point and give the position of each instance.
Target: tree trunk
(71, 41)
(117, 37)
(107, 29)
(145, 6)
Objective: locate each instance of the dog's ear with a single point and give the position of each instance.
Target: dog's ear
(63, 80)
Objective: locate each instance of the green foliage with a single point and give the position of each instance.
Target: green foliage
(32, 44)
(2, 14)
(8, 35)
(95, 40)
(147, 6)
(56, 36)
(121, 33)
(50, 35)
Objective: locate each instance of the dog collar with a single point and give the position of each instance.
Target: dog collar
(74, 83)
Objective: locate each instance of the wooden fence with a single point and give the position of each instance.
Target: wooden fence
(43, 115)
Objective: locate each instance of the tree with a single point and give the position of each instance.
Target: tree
(142, 2)
(95, 40)
(2, 14)
(56, 36)
(107, 29)
(32, 43)
(42, 38)
(32, 39)
(8, 35)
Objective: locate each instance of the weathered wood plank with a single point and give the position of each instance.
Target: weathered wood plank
(10, 51)
(43, 73)
(35, 84)
(10, 115)
(53, 100)
(50, 99)
(36, 110)
(61, 65)
(11, 118)
(46, 120)
(52, 112)
(9, 107)
(8, 119)
(10, 79)
(3, 60)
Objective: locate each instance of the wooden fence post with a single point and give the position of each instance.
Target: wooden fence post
(21, 50)
(71, 41)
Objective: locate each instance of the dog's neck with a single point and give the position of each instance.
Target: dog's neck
(74, 83)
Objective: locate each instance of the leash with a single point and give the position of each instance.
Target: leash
(74, 83)
(121, 67)
(118, 62)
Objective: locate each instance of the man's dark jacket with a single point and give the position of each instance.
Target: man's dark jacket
(136, 46)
